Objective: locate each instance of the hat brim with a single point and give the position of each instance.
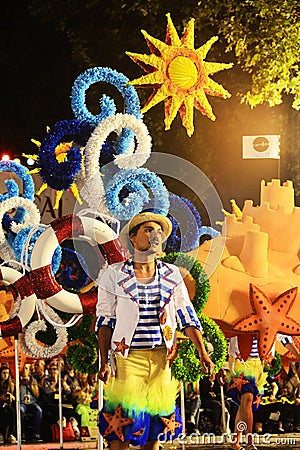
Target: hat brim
(164, 222)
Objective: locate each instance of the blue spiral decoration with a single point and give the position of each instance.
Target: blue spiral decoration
(13, 190)
(135, 182)
(107, 105)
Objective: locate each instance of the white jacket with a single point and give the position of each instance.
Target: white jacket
(118, 304)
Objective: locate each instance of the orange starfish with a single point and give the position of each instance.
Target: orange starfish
(238, 382)
(171, 424)
(269, 318)
(121, 346)
(116, 422)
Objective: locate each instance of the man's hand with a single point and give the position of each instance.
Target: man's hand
(104, 373)
(207, 364)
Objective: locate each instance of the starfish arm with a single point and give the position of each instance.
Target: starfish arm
(151, 60)
(188, 35)
(285, 301)
(213, 88)
(214, 67)
(171, 33)
(159, 96)
(203, 105)
(204, 49)
(161, 46)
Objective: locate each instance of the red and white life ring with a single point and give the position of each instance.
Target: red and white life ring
(20, 284)
(41, 275)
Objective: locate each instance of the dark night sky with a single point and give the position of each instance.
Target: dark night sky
(37, 74)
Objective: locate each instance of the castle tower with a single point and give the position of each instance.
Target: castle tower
(277, 195)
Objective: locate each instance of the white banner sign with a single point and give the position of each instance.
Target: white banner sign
(264, 146)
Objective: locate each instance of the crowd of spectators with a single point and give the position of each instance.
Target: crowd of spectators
(39, 400)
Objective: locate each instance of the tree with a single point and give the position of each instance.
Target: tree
(263, 34)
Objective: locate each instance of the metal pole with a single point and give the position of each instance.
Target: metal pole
(61, 444)
(100, 406)
(18, 411)
(182, 406)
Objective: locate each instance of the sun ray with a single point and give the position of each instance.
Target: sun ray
(151, 60)
(211, 68)
(58, 196)
(75, 192)
(174, 105)
(203, 105)
(187, 117)
(42, 188)
(160, 95)
(188, 37)
(33, 171)
(216, 89)
(172, 37)
(178, 75)
(34, 157)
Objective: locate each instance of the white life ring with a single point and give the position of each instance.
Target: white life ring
(21, 285)
(45, 285)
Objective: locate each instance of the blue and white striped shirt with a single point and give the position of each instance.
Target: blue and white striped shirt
(148, 332)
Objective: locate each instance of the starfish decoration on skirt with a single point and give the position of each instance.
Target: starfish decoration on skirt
(269, 318)
(116, 423)
(171, 424)
(238, 382)
(121, 346)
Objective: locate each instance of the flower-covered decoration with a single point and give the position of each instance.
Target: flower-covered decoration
(13, 190)
(107, 105)
(60, 154)
(82, 353)
(37, 349)
(187, 367)
(31, 218)
(137, 183)
(94, 192)
(186, 225)
(179, 75)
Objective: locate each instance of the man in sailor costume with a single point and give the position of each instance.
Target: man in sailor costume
(141, 302)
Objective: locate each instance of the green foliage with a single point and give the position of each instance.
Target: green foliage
(264, 35)
(187, 366)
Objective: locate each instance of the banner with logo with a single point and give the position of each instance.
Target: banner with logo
(264, 146)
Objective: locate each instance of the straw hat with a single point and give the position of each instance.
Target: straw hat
(145, 216)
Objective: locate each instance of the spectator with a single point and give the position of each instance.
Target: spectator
(29, 394)
(83, 392)
(7, 408)
(49, 400)
(39, 370)
(193, 406)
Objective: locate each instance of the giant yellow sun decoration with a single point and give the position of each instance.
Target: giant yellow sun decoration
(179, 75)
